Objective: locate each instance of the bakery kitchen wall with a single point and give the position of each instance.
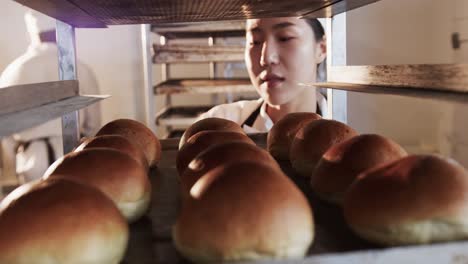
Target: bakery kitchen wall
(459, 138)
(409, 32)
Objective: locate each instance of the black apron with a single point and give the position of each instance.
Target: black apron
(253, 116)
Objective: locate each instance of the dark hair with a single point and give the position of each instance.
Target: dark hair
(319, 33)
(317, 27)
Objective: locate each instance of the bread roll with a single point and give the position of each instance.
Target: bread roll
(115, 173)
(313, 140)
(212, 123)
(282, 133)
(138, 134)
(60, 221)
(417, 199)
(218, 155)
(201, 141)
(244, 211)
(343, 162)
(116, 142)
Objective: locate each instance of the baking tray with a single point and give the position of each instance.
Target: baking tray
(180, 115)
(151, 242)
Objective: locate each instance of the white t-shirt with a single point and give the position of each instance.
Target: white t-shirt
(40, 64)
(240, 111)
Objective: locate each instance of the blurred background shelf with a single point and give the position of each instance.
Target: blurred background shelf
(178, 53)
(204, 85)
(200, 30)
(217, 49)
(180, 115)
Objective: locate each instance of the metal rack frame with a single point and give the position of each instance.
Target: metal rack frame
(67, 71)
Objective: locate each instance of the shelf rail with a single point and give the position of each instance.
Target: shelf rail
(67, 71)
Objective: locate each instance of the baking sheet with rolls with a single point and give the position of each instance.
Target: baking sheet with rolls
(151, 242)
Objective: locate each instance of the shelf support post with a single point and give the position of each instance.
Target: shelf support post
(67, 71)
(147, 93)
(336, 56)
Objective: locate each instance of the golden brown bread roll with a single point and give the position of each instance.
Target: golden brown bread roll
(138, 134)
(218, 155)
(201, 141)
(61, 221)
(343, 162)
(113, 172)
(211, 123)
(417, 199)
(116, 142)
(313, 140)
(244, 211)
(282, 133)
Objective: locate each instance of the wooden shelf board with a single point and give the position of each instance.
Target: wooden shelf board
(197, 86)
(201, 30)
(401, 91)
(441, 77)
(196, 53)
(180, 115)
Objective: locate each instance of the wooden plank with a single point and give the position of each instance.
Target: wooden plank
(196, 53)
(21, 97)
(440, 77)
(64, 11)
(180, 121)
(180, 115)
(197, 86)
(192, 35)
(456, 97)
(18, 121)
(201, 30)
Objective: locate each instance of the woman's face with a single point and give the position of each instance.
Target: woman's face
(279, 54)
